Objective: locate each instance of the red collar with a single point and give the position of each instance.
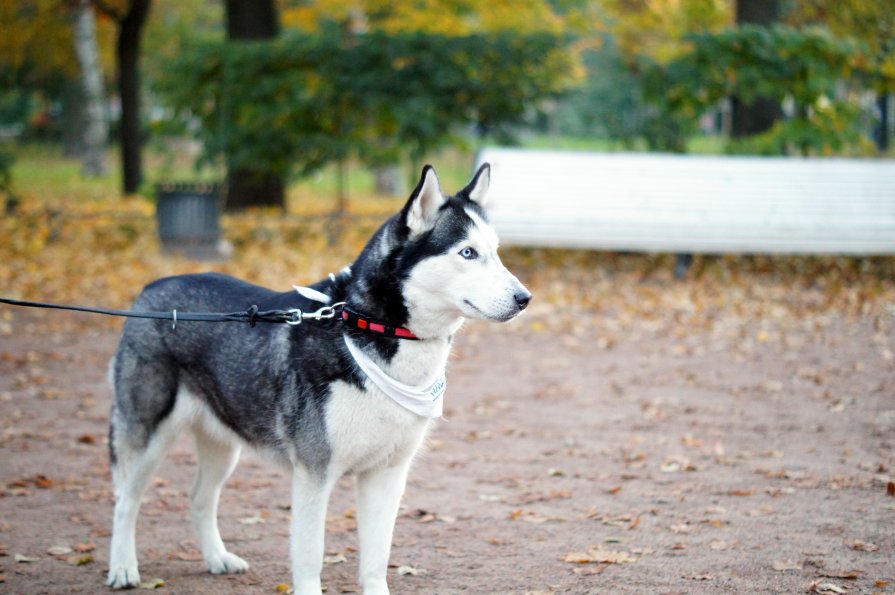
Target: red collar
(377, 327)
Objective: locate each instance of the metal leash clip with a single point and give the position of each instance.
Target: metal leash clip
(324, 313)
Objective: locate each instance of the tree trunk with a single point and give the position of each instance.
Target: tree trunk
(748, 119)
(247, 187)
(882, 133)
(757, 12)
(390, 180)
(96, 129)
(251, 20)
(129, 32)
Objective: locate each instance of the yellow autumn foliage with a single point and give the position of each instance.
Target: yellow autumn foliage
(444, 17)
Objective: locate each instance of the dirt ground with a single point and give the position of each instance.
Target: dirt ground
(575, 458)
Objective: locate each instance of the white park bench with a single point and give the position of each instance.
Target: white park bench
(686, 204)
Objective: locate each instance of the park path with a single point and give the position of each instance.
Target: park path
(578, 456)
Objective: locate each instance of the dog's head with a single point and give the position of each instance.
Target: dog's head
(438, 257)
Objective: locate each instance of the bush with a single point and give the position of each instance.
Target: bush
(803, 66)
(301, 101)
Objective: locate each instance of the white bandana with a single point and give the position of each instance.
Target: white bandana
(425, 401)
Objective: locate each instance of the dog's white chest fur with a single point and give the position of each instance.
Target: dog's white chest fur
(368, 430)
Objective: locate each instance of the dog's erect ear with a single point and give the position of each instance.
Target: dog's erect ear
(478, 187)
(422, 208)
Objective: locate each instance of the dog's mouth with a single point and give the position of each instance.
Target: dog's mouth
(479, 313)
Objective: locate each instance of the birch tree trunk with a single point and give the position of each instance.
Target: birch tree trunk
(96, 129)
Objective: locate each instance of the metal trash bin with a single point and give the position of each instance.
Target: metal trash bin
(188, 217)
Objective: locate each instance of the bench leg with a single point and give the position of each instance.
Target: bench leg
(682, 265)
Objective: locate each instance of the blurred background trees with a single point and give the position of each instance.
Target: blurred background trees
(291, 87)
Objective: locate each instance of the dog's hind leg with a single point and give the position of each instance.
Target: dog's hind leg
(217, 459)
(132, 470)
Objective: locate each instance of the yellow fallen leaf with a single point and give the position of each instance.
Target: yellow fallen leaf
(153, 583)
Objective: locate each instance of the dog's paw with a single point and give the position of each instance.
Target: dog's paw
(379, 587)
(123, 577)
(226, 563)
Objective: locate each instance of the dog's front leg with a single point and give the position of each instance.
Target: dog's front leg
(379, 494)
(310, 494)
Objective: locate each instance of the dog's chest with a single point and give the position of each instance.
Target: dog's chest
(366, 429)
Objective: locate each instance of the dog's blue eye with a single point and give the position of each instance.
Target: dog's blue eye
(469, 253)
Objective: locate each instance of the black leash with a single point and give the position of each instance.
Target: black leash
(252, 315)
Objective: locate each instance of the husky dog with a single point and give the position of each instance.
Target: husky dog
(351, 395)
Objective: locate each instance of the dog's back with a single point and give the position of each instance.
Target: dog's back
(217, 363)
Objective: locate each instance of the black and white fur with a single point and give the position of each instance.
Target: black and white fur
(295, 393)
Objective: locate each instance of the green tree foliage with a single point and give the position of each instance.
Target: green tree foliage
(803, 66)
(871, 22)
(609, 104)
(301, 101)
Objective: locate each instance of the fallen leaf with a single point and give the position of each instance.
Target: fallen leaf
(719, 545)
(846, 574)
(410, 571)
(825, 587)
(423, 516)
(578, 558)
(23, 559)
(882, 584)
(252, 520)
(284, 588)
(153, 583)
(890, 488)
(83, 560)
(600, 556)
(336, 559)
(701, 577)
(691, 441)
(783, 565)
(59, 550)
(43, 482)
(862, 546)
(83, 548)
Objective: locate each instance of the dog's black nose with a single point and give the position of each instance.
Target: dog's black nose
(522, 298)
